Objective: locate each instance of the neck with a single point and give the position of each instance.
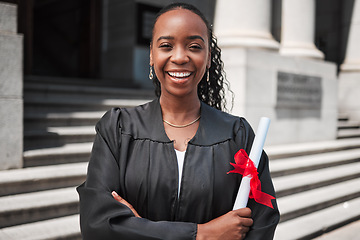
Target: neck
(180, 110)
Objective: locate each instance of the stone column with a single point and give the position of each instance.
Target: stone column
(11, 88)
(349, 77)
(244, 23)
(352, 57)
(256, 77)
(298, 29)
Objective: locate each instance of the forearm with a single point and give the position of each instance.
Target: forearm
(102, 217)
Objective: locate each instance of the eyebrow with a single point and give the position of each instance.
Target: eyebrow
(190, 37)
(165, 37)
(196, 37)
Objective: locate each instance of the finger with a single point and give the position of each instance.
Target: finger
(244, 230)
(117, 197)
(243, 212)
(123, 201)
(248, 222)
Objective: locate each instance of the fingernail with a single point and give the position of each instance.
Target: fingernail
(114, 194)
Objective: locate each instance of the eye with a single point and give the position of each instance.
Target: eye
(165, 46)
(195, 47)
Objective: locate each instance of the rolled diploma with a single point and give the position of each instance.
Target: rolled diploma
(255, 154)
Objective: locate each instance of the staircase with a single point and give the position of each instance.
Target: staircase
(317, 187)
(317, 184)
(348, 128)
(40, 200)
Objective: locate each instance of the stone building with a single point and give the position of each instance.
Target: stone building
(296, 62)
(63, 63)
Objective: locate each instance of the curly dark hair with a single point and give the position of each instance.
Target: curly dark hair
(211, 92)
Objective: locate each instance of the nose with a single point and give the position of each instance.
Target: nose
(179, 56)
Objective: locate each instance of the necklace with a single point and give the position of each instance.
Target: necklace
(181, 126)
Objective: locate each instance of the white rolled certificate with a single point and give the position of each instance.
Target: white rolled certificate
(255, 154)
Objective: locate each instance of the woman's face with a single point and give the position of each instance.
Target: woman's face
(180, 52)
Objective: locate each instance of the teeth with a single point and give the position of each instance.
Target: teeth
(179, 74)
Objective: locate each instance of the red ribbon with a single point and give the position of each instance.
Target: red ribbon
(245, 166)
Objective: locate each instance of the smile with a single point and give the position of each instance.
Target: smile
(179, 74)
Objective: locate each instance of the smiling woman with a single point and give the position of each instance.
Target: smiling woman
(159, 171)
(180, 54)
(211, 88)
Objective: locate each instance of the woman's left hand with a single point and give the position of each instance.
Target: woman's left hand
(123, 201)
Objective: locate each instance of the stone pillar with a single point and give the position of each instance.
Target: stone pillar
(297, 94)
(240, 24)
(244, 23)
(298, 29)
(352, 57)
(11, 89)
(349, 77)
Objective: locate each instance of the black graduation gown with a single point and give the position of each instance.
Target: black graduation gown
(133, 156)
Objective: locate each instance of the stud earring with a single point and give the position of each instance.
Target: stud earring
(151, 74)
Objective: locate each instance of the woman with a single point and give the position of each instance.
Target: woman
(168, 159)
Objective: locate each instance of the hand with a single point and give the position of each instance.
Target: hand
(123, 201)
(232, 225)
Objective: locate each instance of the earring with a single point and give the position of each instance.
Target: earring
(151, 74)
(207, 76)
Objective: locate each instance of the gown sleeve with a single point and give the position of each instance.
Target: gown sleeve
(265, 218)
(101, 216)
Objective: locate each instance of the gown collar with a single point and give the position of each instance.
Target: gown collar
(214, 126)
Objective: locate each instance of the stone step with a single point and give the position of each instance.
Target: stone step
(36, 206)
(59, 95)
(306, 202)
(73, 81)
(301, 149)
(36, 120)
(97, 89)
(55, 105)
(68, 153)
(348, 232)
(348, 133)
(291, 184)
(342, 116)
(348, 125)
(33, 179)
(319, 222)
(61, 169)
(57, 136)
(72, 223)
(287, 166)
(58, 228)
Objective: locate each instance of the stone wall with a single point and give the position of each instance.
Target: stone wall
(298, 94)
(11, 89)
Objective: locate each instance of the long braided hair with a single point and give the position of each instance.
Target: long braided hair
(211, 92)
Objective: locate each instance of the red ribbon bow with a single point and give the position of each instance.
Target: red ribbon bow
(245, 166)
